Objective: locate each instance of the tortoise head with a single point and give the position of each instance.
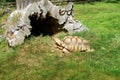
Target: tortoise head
(57, 41)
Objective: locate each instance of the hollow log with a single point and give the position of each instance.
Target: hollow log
(38, 18)
(21, 4)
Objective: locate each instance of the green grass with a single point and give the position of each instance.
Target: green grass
(37, 59)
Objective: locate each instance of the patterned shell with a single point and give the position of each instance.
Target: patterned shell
(74, 43)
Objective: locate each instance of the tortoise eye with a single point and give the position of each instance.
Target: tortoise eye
(62, 12)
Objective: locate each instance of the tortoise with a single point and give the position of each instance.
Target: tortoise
(72, 43)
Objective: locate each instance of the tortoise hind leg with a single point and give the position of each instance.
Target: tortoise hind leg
(90, 50)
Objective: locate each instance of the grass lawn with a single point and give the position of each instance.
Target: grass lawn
(37, 59)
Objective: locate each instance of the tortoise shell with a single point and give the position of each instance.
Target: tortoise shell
(73, 43)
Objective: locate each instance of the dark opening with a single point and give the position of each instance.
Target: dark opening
(44, 26)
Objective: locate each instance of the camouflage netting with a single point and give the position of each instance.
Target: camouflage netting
(40, 18)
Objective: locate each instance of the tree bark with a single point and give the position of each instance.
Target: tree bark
(21, 4)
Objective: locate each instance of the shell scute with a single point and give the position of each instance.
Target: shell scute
(75, 43)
